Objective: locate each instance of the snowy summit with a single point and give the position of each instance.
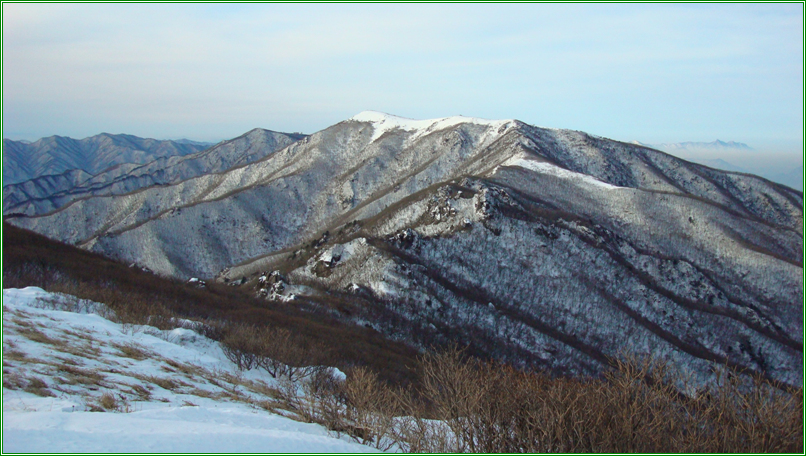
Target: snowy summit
(383, 122)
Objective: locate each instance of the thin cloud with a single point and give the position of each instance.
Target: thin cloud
(651, 72)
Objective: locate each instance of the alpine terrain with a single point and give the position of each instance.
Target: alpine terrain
(540, 247)
(56, 154)
(52, 191)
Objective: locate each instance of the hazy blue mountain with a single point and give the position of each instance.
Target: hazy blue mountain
(56, 154)
(699, 146)
(50, 192)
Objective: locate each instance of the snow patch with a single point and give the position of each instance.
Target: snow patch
(382, 123)
(342, 252)
(549, 168)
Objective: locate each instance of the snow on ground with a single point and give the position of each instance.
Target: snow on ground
(549, 168)
(163, 391)
(383, 122)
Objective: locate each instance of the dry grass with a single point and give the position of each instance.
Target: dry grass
(202, 393)
(88, 349)
(83, 336)
(36, 385)
(108, 401)
(73, 375)
(38, 336)
(13, 380)
(163, 382)
(141, 392)
(133, 351)
(269, 406)
(69, 361)
(188, 370)
(15, 355)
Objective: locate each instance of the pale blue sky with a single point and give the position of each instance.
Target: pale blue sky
(654, 73)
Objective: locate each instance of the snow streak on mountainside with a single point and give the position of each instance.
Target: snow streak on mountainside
(47, 193)
(57, 154)
(539, 246)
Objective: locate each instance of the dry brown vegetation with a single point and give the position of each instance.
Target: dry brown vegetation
(466, 405)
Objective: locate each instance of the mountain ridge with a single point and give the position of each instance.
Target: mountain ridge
(48, 193)
(541, 247)
(56, 154)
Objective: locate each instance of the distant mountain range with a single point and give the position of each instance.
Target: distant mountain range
(718, 163)
(56, 154)
(757, 164)
(165, 162)
(698, 146)
(541, 247)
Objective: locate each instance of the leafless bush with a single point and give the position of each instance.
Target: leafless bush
(464, 405)
(278, 351)
(240, 345)
(370, 408)
(319, 398)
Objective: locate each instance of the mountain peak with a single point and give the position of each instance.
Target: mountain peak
(383, 122)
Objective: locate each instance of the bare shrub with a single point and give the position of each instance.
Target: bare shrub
(370, 408)
(637, 407)
(750, 414)
(108, 401)
(320, 399)
(240, 344)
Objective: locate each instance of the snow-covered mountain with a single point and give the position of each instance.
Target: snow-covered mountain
(50, 192)
(56, 154)
(542, 247)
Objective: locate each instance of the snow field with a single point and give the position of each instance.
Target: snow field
(383, 122)
(77, 382)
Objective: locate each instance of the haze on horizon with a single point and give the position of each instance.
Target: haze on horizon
(653, 73)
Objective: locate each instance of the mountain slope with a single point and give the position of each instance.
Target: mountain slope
(38, 197)
(57, 154)
(539, 246)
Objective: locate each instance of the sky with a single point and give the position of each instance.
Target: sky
(654, 73)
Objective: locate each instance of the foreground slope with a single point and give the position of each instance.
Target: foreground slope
(540, 246)
(171, 391)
